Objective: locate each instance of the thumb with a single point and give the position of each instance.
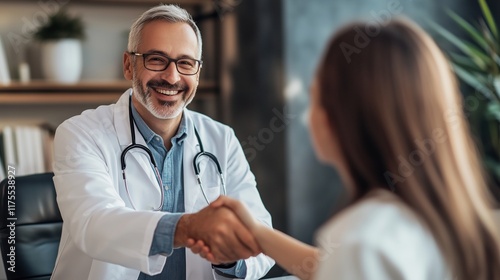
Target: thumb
(220, 201)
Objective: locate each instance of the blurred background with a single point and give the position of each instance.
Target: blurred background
(259, 59)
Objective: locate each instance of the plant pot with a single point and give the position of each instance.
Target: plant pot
(62, 60)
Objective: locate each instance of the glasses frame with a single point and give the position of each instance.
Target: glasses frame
(169, 59)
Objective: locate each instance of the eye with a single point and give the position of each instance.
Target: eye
(186, 63)
(156, 59)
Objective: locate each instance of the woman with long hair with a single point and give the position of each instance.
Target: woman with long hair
(389, 117)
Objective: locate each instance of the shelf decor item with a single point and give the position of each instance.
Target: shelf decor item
(478, 65)
(61, 50)
(4, 68)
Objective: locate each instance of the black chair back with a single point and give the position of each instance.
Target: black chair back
(30, 226)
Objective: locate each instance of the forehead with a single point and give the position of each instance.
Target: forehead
(175, 39)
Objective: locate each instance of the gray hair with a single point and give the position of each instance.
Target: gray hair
(169, 13)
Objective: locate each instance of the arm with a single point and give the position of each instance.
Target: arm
(86, 183)
(290, 253)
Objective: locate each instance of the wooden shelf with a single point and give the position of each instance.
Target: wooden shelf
(129, 2)
(89, 92)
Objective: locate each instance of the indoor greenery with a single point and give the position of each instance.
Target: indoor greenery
(61, 26)
(478, 65)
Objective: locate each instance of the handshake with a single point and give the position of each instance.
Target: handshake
(222, 233)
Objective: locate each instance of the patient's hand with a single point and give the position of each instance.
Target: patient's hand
(199, 246)
(240, 210)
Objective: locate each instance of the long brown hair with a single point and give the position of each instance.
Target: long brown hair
(395, 108)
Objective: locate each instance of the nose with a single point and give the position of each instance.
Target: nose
(171, 74)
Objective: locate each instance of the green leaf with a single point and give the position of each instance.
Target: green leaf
(474, 81)
(493, 166)
(489, 18)
(477, 56)
(493, 111)
(465, 62)
(496, 85)
(471, 30)
(496, 58)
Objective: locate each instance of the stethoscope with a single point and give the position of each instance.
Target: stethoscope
(196, 163)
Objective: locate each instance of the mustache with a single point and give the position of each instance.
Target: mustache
(166, 85)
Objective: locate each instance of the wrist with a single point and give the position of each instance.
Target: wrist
(181, 232)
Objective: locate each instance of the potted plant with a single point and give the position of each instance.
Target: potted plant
(478, 65)
(61, 52)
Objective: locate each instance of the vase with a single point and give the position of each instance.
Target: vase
(62, 60)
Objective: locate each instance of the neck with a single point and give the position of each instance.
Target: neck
(166, 128)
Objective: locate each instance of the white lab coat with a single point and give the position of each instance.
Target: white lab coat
(378, 238)
(102, 236)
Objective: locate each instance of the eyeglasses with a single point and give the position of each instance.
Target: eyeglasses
(159, 62)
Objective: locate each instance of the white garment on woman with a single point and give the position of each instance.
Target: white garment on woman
(379, 238)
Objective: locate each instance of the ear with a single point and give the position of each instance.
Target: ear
(198, 74)
(127, 66)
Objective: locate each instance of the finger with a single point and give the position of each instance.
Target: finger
(226, 250)
(219, 201)
(246, 238)
(237, 249)
(190, 242)
(209, 257)
(199, 247)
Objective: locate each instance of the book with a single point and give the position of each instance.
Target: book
(9, 148)
(4, 69)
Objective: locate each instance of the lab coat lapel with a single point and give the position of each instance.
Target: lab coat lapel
(138, 169)
(191, 148)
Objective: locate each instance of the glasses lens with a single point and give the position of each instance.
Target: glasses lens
(187, 66)
(155, 62)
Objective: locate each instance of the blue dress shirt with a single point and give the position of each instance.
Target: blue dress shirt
(169, 164)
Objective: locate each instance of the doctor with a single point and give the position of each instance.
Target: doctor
(117, 165)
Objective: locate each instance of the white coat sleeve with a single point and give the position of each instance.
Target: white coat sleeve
(241, 185)
(92, 210)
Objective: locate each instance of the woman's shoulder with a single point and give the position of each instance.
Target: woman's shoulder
(377, 215)
(380, 233)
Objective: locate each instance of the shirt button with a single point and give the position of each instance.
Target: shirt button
(167, 187)
(158, 138)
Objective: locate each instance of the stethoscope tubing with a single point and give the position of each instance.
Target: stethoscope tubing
(196, 164)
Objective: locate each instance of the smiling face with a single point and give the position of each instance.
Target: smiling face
(163, 95)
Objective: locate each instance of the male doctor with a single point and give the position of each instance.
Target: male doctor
(109, 191)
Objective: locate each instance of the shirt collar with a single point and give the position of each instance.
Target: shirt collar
(149, 134)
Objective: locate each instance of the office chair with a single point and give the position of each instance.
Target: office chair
(38, 225)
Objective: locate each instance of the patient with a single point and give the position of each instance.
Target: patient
(391, 122)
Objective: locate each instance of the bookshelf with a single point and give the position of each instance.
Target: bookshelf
(88, 92)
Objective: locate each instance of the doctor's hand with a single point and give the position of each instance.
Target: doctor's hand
(254, 226)
(220, 230)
